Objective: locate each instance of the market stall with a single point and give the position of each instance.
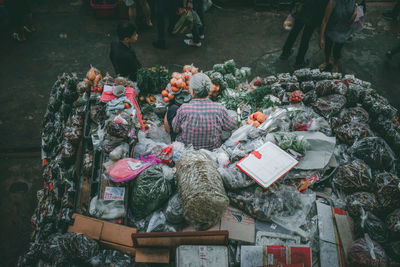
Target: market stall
(311, 172)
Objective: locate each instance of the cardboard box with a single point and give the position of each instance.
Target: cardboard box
(210, 256)
(292, 255)
(110, 235)
(240, 226)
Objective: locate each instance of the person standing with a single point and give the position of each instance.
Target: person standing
(308, 19)
(20, 18)
(194, 38)
(201, 121)
(122, 56)
(165, 9)
(132, 10)
(335, 30)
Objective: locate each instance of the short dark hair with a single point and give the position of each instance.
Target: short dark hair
(126, 29)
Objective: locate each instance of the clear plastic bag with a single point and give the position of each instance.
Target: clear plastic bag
(324, 88)
(375, 152)
(361, 200)
(60, 249)
(393, 224)
(151, 189)
(365, 252)
(158, 223)
(157, 135)
(371, 225)
(303, 74)
(347, 115)
(244, 133)
(111, 258)
(354, 176)
(296, 97)
(107, 209)
(289, 141)
(234, 178)
(350, 132)
(201, 189)
(330, 105)
(119, 152)
(244, 148)
(388, 190)
(174, 210)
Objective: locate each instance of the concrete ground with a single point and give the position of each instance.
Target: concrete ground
(29, 69)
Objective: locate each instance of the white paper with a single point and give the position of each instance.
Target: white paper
(272, 165)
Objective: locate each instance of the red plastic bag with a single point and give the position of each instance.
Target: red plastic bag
(296, 97)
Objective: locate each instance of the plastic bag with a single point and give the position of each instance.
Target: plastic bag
(364, 200)
(234, 178)
(68, 248)
(351, 132)
(296, 97)
(174, 210)
(244, 148)
(107, 209)
(151, 189)
(242, 134)
(119, 152)
(184, 24)
(158, 223)
(347, 115)
(371, 225)
(126, 169)
(393, 224)
(330, 105)
(324, 88)
(288, 23)
(201, 189)
(277, 120)
(157, 135)
(388, 190)
(377, 105)
(111, 258)
(289, 141)
(375, 152)
(365, 252)
(310, 97)
(354, 176)
(303, 74)
(263, 204)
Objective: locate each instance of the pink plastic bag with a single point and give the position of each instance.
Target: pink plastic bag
(128, 168)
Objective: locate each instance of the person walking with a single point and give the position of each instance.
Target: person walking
(307, 19)
(122, 56)
(132, 10)
(336, 28)
(194, 38)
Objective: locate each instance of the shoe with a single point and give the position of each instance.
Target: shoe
(159, 44)
(190, 36)
(18, 37)
(285, 56)
(30, 29)
(301, 64)
(190, 42)
(388, 16)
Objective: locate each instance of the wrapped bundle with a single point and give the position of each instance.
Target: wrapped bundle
(354, 176)
(393, 224)
(361, 200)
(388, 190)
(201, 189)
(365, 252)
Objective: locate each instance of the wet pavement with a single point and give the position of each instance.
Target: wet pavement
(70, 38)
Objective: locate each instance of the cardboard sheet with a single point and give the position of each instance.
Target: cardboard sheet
(267, 164)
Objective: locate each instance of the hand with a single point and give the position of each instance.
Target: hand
(322, 43)
(180, 11)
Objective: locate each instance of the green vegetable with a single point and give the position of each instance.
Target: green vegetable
(230, 66)
(287, 140)
(152, 80)
(219, 68)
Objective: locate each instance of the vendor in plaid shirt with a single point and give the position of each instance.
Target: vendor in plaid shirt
(201, 121)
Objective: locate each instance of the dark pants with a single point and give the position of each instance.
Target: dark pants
(396, 9)
(165, 9)
(333, 48)
(198, 6)
(305, 39)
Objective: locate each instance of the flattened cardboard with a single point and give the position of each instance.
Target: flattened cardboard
(152, 255)
(240, 226)
(110, 235)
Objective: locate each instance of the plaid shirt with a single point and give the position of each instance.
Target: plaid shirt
(201, 123)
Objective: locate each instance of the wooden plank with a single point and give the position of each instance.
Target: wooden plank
(118, 234)
(110, 245)
(171, 239)
(152, 255)
(85, 225)
(345, 232)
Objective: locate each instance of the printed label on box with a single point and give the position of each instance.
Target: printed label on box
(114, 193)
